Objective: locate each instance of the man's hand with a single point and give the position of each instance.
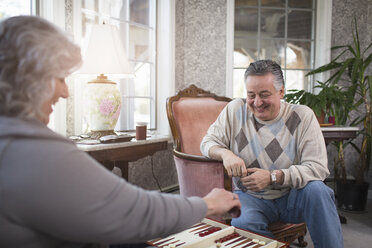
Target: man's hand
(220, 201)
(257, 180)
(234, 165)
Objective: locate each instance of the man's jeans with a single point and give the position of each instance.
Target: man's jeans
(314, 204)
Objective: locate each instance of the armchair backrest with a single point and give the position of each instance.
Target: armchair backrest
(190, 114)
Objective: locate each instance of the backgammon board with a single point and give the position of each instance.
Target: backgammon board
(214, 234)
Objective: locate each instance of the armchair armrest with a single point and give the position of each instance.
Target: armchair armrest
(191, 157)
(197, 158)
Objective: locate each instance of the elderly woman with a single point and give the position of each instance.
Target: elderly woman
(51, 193)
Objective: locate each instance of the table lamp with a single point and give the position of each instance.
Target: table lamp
(104, 55)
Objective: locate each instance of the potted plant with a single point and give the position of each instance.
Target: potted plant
(350, 68)
(329, 101)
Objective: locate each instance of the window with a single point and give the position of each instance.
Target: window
(53, 11)
(281, 30)
(10, 8)
(136, 21)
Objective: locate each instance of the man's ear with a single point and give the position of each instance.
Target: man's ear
(282, 92)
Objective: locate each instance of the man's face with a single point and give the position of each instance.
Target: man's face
(262, 97)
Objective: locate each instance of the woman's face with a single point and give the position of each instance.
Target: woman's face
(61, 90)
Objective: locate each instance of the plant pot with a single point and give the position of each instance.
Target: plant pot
(352, 196)
(331, 119)
(321, 117)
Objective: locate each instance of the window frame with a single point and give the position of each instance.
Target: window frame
(322, 41)
(123, 84)
(165, 62)
(54, 11)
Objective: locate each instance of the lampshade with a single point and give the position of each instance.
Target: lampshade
(105, 53)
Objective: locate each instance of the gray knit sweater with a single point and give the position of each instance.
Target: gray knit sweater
(54, 195)
(292, 142)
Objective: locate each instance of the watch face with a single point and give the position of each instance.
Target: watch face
(273, 177)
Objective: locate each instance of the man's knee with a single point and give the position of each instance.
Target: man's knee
(317, 191)
(317, 187)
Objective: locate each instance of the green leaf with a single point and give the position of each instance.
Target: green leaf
(350, 48)
(369, 79)
(341, 71)
(324, 68)
(355, 122)
(368, 47)
(338, 47)
(355, 69)
(355, 147)
(367, 61)
(356, 38)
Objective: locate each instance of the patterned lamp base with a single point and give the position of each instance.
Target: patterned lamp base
(102, 105)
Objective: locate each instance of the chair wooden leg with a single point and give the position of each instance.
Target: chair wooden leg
(301, 241)
(290, 232)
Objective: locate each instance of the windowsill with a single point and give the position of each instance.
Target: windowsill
(151, 133)
(133, 142)
(340, 128)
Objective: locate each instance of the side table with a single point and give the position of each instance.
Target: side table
(339, 133)
(121, 153)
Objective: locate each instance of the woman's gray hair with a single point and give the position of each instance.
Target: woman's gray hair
(33, 52)
(262, 67)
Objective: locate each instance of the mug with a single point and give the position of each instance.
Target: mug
(141, 131)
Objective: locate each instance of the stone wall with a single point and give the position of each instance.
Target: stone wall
(343, 12)
(154, 171)
(201, 44)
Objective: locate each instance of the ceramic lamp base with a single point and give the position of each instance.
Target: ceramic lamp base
(102, 104)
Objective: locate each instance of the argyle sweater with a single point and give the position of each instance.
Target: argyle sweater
(292, 142)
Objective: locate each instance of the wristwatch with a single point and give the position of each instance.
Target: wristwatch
(272, 177)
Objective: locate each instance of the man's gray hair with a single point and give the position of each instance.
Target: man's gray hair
(33, 52)
(263, 67)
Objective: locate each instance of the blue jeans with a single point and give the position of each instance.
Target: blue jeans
(314, 204)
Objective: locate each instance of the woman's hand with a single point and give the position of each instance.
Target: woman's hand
(220, 201)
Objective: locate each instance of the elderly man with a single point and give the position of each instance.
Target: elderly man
(277, 157)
